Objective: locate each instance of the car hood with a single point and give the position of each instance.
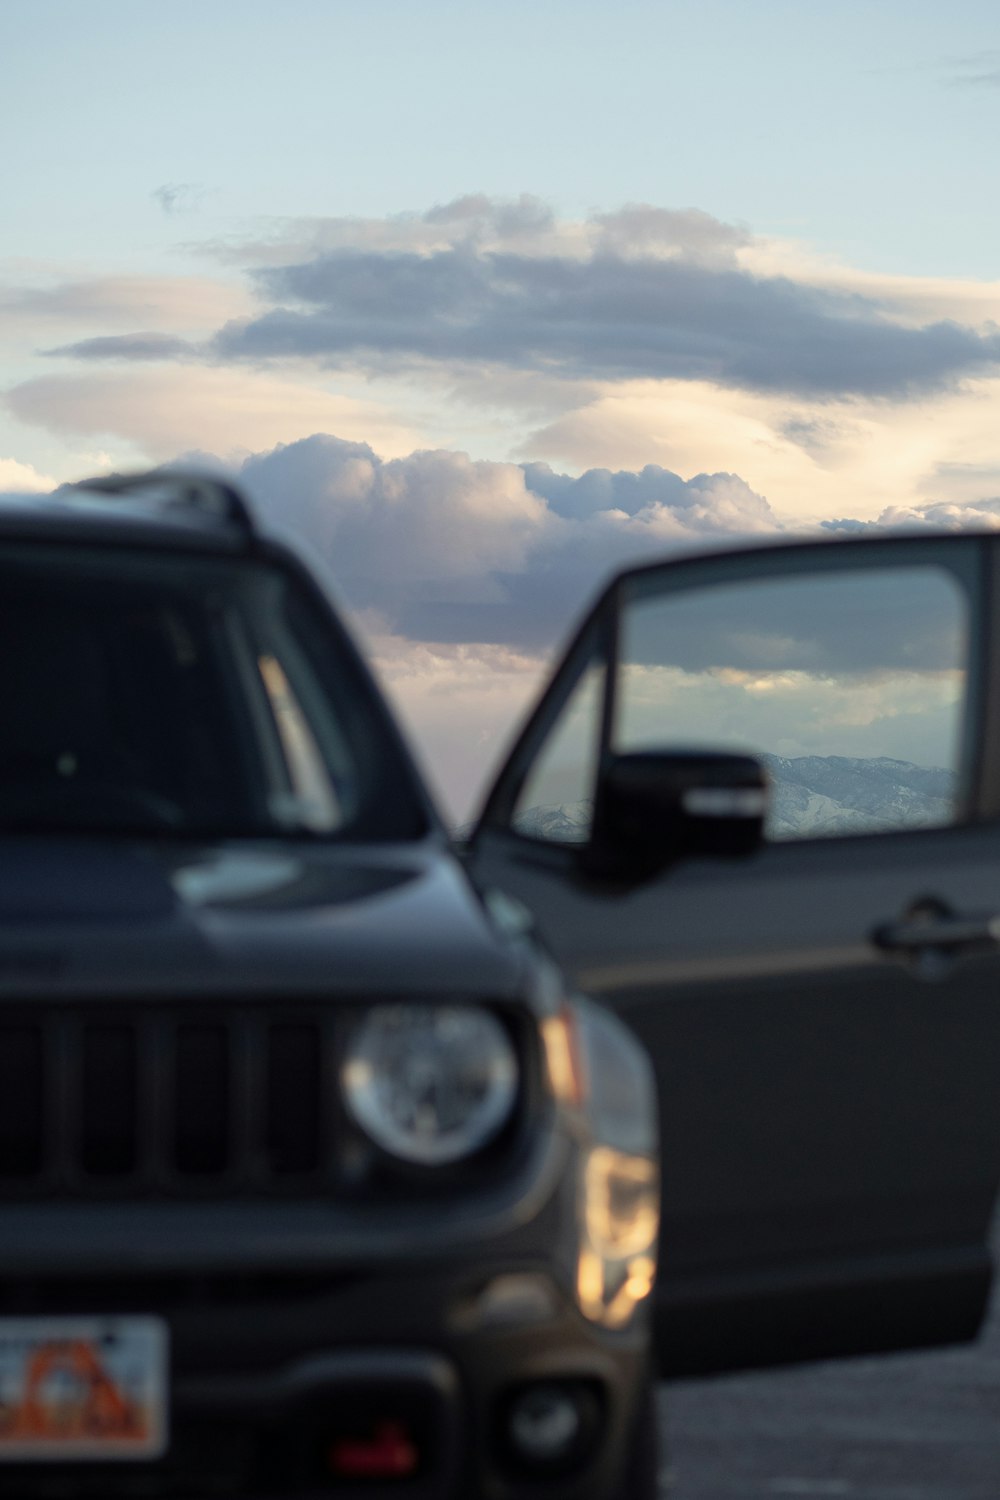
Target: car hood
(89, 916)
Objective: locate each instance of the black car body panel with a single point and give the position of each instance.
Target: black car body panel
(181, 1008)
(244, 917)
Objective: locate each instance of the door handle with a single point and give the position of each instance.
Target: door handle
(931, 927)
(951, 933)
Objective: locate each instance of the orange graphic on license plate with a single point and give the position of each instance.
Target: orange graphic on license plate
(69, 1394)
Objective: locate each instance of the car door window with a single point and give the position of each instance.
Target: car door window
(850, 685)
(556, 803)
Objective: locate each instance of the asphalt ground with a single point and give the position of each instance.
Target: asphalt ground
(898, 1427)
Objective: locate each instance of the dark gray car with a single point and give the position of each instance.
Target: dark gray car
(314, 1176)
(317, 1174)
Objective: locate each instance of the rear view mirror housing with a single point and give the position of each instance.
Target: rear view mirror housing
(656, 807)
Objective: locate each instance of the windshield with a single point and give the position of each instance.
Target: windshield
(179, 694)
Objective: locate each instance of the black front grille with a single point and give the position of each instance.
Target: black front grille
(167, 1100)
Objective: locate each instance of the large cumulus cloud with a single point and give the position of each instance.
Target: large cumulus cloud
(644, 293)
(441, 548)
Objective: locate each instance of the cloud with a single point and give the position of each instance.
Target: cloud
(481, 215)
(173, 303)
(179, 197)
(911, 301)
(935, 515)
(813, 459)
(440, 548)
(473, 218)
(976, 70)
(129, 346)
(643, 293)
(640, 228)
(435, 547)
(611, 317)
(986, 80)
(815, 435)
(19, 478)
(163, 412)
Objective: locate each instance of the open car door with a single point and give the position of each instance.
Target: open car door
(818, 982)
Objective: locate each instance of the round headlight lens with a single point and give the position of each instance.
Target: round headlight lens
(428, 1083)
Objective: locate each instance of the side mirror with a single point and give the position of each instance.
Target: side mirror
(655, 807)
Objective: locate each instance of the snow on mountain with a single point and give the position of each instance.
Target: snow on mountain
(568, 824)
(811, 796)
(824, 794)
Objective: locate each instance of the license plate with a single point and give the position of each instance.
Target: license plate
(82, 1388)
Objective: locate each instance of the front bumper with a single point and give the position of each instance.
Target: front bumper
(296, 1328)
(266, 1385)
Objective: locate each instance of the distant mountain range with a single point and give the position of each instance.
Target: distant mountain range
(811, 795)
(820, 794)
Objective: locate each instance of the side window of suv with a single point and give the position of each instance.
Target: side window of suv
(852, 688)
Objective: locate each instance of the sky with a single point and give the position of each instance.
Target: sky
(486, 299)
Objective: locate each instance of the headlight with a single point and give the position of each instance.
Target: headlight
(621, 1215)
(430, 1084)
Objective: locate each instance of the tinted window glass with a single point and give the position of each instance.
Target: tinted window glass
(556, 801)
(182, 694)
(851, 685)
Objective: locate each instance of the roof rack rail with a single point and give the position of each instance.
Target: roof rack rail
(181, 487)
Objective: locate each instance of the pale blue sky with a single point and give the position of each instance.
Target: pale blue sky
(854, 124)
